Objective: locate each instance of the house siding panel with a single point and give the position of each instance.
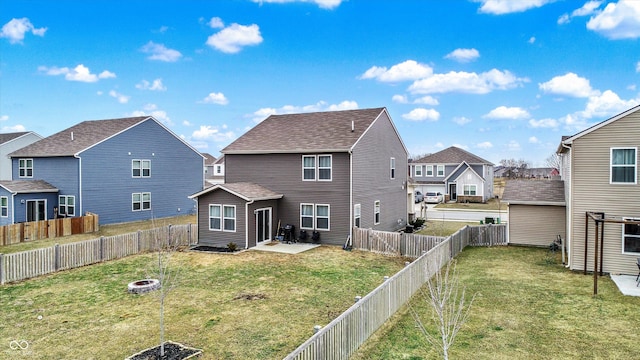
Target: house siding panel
(282, 173)
(221, 238)
(371, 177)
(592, 192)
(535, 225)
(107, 184)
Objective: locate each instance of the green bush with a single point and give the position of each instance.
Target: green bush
(232, 246)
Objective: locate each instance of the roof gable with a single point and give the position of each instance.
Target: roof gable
(6, 137)
(570, 139)
(307, 132)
(244, 190)
(452, 155)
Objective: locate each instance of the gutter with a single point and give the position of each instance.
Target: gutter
(80, 202)
(568, 235)
(246, 223)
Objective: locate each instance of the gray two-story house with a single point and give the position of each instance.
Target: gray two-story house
(124, 170)
(456, 173)
(10, 142)
(321, 173)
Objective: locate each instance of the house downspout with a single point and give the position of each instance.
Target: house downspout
(246, 223)
(79, 184)
(350, 235)
(568, 228)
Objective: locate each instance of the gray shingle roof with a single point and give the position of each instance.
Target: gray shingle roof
(307, 132)
(209, 159)
(452, 155)
(27, 186)
(77, 138)
(246, 190)
(534, 192)
(6, 137)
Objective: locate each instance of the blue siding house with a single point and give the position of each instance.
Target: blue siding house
(124, 170)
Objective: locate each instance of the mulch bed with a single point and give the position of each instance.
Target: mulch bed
(206, 248)
(172, 351)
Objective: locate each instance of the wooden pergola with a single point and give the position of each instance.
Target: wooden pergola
(600, 220)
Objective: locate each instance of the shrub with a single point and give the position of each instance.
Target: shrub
(232, 246)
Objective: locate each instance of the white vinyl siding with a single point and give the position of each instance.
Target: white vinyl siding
(623, 165)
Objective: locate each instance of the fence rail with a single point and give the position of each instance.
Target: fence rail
(47, 229)
(32, 263)
(344, 335)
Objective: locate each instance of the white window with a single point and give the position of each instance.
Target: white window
(306, 216)
(324, 167)
(215, 217)
(429, 170)
(229, 218)
(392, 165)
(218, 169)
(631, 237)
(141, 201)
(25, 168)
(67, 205)
(322, 217)
(140, 168)
(418, 170)
(357, 210)
(376, 212)
(470, 190)
(309, 167)
(4, 206)
(623, 165)
(440, 170)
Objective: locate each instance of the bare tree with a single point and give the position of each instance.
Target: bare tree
(553, 161)
(514, 168)
(449, 308)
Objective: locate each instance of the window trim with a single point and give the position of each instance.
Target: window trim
(25, 168)
(4, 209)
(312, 216)
(392, 168)
(623, 236)
(309, 168)
(328, 217)
(438, 167)
(357, 215)
(219, 217)
(141, 168)
(141, 201)
(426, 172)
(224, 217)
(417, 170)
(470, 186)
(376, 212)
(66, 205)
(635, 166)
(318, 167)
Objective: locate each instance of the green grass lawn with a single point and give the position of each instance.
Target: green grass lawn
(252, 305)
(527, 306)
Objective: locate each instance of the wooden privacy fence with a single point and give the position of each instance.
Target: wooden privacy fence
(47, 229)
(32, 263)
(344, 335)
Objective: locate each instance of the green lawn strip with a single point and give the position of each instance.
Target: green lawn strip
(526, 306)
(246, 306)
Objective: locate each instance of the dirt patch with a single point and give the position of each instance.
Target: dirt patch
(244, 296)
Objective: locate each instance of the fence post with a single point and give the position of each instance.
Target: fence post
(56, 256)
(2, 269)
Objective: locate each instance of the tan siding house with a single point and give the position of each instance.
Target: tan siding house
(603, 165)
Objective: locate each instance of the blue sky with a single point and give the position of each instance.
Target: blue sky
(502, 79)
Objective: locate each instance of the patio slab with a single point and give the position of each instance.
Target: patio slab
(279, 247)
(626, 284)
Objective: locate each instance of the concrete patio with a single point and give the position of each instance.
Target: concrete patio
(276, 246)
(626, 284)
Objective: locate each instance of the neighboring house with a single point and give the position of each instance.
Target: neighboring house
(458, 174)
(9, 143)
(209, 160)
(536, 211)
(323, 172)
(540, 173)
(218, 172)
(124, 170)
(600, 172)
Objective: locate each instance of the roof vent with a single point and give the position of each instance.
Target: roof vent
(72, 136)
(352, 126)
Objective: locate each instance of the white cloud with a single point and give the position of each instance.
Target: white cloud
(400, 99)
(152, 110)
(568, 84)
(156, 85)
(463, 55)
(427, 100)
(503, 112)
(212, 133)
(588, 8)
(216, 23)
(422, 114)
(4, 117)
(532, 40)
(607, 104)
(501, 7)
(544, 123)
(122, 99)
(263, 113)
(215, 98)
(407, 70)
(14, 128)
(513, 146)
(464, 147)
(186, 123)
(324, 4)
(461, 120)
(79, 73)
(160, 52)
(533, 140)
(467, 82)
(234, 37)
(638, 67)
(484, 145)
(618, 20)
(15, 30)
